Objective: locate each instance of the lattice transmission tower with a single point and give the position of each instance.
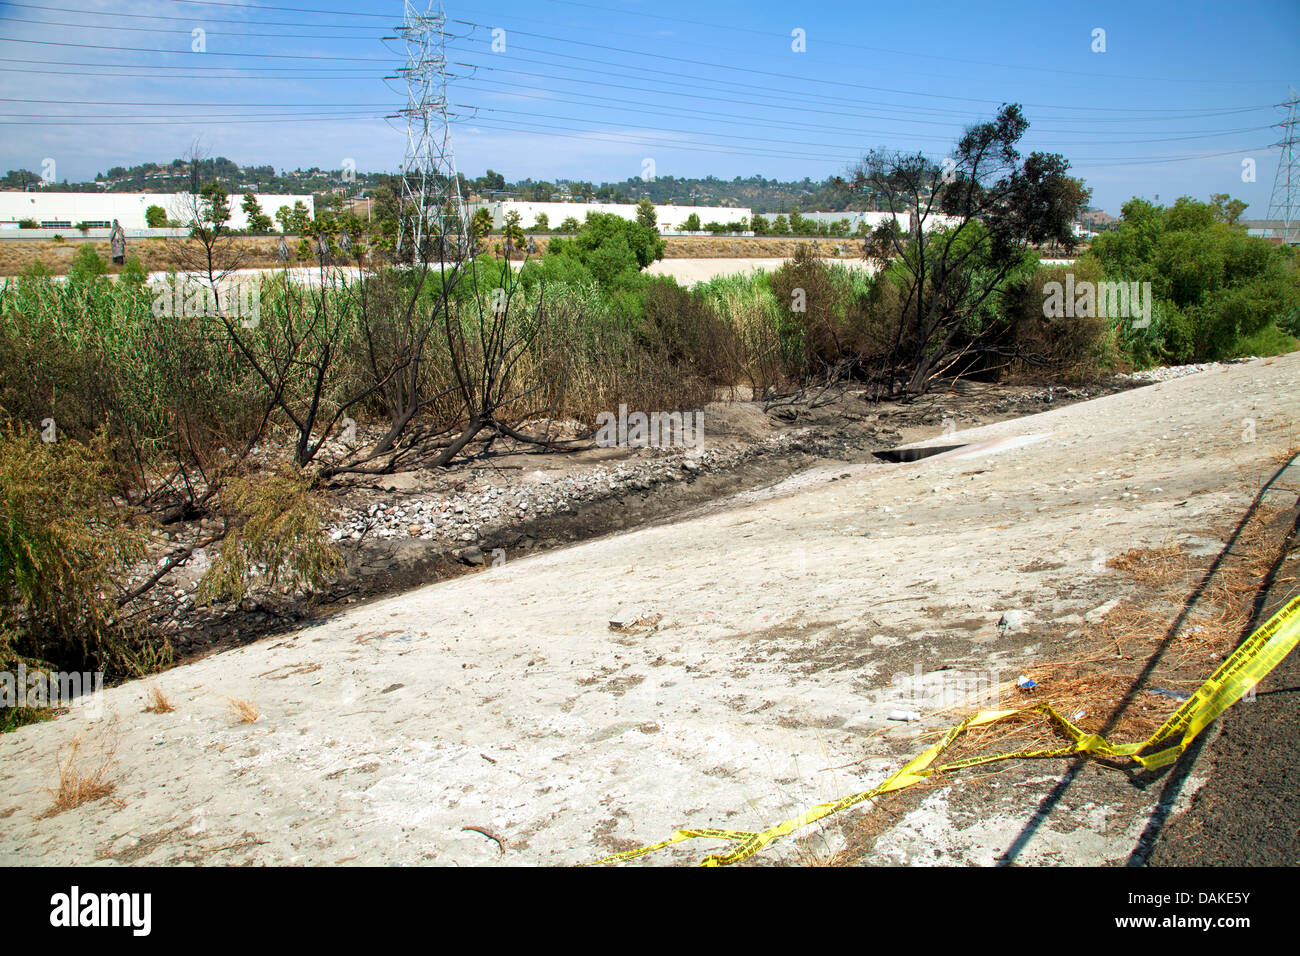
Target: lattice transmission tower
(430, 185)
(1284, 201)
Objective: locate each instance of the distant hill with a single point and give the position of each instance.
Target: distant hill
(756, 192)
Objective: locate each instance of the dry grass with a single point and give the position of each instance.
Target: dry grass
(244, 711)
(159, 254)
(1154, 567)
(158, 702)
(730, 247)
(78, 784)
(156, 255)
(1099, 693)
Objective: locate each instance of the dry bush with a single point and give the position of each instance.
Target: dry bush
(1070, 348)
(64, 544)
(244, 711)
(690, 349)
(158, 702)
(278, 533)
(77, 784)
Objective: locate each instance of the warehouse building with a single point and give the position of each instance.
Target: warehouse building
(58, 210)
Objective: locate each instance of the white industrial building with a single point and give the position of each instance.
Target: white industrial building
(669, 218)
(57, 210)
(872, 219)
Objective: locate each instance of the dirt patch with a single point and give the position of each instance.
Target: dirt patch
(258, 252)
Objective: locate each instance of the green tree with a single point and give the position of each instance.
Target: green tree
(512, 229)
(646, 215)
(299, 218)
(952, 273)
(258, 221)
(211, 212)
(692, 223)
(481, 224)
(609, 246)
(155, 217)
(759, 225)
(543, 223)
(1227, 210)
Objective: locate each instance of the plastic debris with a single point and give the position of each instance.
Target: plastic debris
(1025, 684)
(904, 715)
(1171, 694)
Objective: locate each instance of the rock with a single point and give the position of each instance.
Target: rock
(473, 556)
(1012, 621)
(1097, 613)
(403, 481)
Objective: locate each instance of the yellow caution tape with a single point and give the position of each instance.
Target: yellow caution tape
(1245, 668)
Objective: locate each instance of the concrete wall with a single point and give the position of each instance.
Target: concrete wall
(670, 218)
(126, 208)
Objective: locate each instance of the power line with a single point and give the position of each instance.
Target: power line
(186, 122)
(768, 103)
(180, 66)
(116, 15)
(768, 73)
(182, 76)
(665, 77)
(187, 104)
(735, 28)
(733, 120)
(185, 32)
(261, 6)
(136, 49)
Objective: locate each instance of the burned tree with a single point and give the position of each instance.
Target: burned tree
(971, 220)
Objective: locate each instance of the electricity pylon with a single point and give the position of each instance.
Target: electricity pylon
(1284, 201)
(432, 218)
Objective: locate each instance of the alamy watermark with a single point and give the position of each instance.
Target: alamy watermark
(75, 908)
(653, 430)
(23, 688)
(187, 297)
(1105, 300)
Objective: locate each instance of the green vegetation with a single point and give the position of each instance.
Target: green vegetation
(1218, 293)
(63, 548)
(258, 221)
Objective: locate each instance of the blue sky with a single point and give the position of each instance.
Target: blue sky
(586, 89)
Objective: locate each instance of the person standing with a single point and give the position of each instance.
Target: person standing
(117, 243)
